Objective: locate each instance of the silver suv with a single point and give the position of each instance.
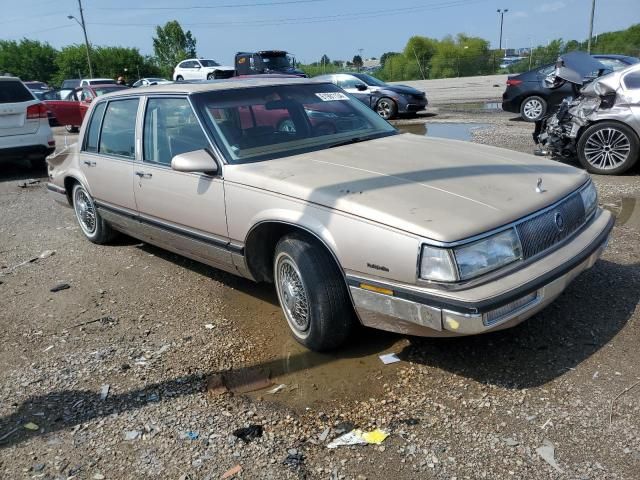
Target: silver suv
(24, 124)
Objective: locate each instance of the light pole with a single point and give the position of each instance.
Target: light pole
(84, 30)
(501, 11)
(593, 10)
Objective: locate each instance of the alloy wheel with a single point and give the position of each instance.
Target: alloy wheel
(607, 149)
(532, 109)
(292, 294)
(384, 109)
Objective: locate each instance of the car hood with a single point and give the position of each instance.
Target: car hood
(403, 89)
(574, 67)
(440, 189)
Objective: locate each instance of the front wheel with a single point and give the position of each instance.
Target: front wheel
(608, 148)
(91, 223)
(179, 78)
(533, 108)
(312, 293)
(386, 108)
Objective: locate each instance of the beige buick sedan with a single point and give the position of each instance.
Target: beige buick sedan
(294, 182)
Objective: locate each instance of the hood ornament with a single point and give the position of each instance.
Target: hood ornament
(539, 187)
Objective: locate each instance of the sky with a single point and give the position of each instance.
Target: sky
(310, 28)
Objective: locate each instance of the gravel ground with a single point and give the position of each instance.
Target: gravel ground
(118, 375)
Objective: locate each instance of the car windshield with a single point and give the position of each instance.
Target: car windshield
(102, 90)
(369, 80)
(209, 63)
(70, 84)
(275, 62)
(261, 123)
(102, 82)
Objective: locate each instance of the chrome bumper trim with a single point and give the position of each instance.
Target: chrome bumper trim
(413, 317)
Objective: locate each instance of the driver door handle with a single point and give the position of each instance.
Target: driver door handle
(142, 174)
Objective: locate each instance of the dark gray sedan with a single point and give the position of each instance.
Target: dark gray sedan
(386, 99)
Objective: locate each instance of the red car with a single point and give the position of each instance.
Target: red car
(70, 111)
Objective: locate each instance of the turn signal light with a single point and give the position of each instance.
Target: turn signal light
(373, 288)
(39, 110)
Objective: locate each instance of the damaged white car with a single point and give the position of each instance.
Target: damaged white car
(601, 126)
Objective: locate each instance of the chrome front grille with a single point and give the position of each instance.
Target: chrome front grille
(550, 227)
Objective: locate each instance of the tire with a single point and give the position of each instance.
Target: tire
(211, 76)
(608, 148)
(71, 128)
(386, 108)
(307, 277)
(97, 231)
(179, 78)
(533, 108)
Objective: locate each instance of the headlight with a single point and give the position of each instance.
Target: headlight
(437, 264)
(488, 254)
(468, 261)
(589, 196)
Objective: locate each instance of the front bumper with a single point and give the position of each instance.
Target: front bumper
(492, 306)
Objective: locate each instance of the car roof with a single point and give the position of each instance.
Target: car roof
(226, 84)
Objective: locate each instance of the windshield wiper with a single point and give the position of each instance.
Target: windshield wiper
(348, 142)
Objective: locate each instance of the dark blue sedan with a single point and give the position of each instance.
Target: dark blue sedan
(386, 99)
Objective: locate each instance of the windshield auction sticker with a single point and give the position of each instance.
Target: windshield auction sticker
(330, 97)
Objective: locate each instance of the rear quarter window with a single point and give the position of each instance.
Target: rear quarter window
(13, 91)
(632, 80)
(93, 130)
(118, 133)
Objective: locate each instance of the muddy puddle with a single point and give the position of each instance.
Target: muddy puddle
(487, 107)
(455, 131)
(352, 373)
(626, 210)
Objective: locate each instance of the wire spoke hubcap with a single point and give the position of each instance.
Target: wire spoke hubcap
(85, 211)
(607, 148)
(292, 293)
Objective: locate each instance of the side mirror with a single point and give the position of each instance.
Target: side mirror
(197, 161)
(361, 87)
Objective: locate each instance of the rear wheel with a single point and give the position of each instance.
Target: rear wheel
(179, 78)
(386, 108)
(608, 148)
(91, 223)
(533, 108)
(211, 76)
(312, 293)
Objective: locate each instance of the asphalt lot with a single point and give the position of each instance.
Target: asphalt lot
(158, 329)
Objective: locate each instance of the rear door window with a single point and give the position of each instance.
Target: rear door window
(93, 130)
(118, 136)
(13, 91)
(170, 128)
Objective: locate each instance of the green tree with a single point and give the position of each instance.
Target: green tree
(171, 45)
(357, 61)
(385, 56)
(71, 62)
(325, 60)
(121, 61)
(28, 59)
